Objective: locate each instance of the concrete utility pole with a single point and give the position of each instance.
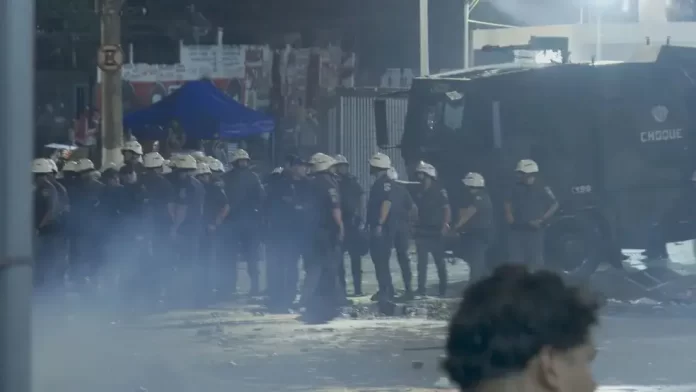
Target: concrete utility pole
(423, 20)
(467, 34)
(110, 60)
(17, 29)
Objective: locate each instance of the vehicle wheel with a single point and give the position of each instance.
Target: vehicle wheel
(573, 246)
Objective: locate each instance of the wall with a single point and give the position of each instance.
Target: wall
(350, 124)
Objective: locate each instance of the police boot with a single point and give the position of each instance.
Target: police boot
(406, 296)
(357, 288)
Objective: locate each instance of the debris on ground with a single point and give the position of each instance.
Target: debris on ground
(443, 383)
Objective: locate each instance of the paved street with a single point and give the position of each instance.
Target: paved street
(239, 348)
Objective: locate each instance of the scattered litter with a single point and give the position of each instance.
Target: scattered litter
(443, 383)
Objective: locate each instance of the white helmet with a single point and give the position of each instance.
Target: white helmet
(426, 169)
(321, 162)
(70, 166)
(380, 161)
(202, 168)
(41, 166)
(84, 165)
(54, 167)
(133, 147)
(239, 155)
(199, 156)
(474, 180)
(153, 160)
(341, 160)
(277, 170)
(167, 167)
(392, 174)
(110, 165)
(216, 166)
(527, 166)
(185, 162)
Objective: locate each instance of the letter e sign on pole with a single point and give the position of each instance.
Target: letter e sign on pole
(110, 58)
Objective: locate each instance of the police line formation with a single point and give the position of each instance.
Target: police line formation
(177, 229)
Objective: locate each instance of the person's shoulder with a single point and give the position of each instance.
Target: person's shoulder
(46, 189)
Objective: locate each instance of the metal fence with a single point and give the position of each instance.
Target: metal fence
(351, 129)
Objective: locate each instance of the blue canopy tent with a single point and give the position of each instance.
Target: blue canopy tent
(203, 111)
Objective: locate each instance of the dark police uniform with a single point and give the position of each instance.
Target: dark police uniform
(210, 251)
(432, 203)
(61, 226)
(71, 183)
(394, 232)
(110, 211)
(245, 195)
(528, 203)
(137, 277)
(134, 166)
(88, 231)
(322, 290)
(189, 192)
(477, 234)
(45, 202)
(288, 216)
(159, 193)
(351, 195)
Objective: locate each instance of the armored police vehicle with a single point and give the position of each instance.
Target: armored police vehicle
(614, 141)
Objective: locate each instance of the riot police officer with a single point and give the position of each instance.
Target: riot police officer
(322, 294)
(159, 194)
(189, 196)
(85, 206)
(434, 216)
(388, 210)
(475, 224)
(352, 211)
(528, 207)
(135, 273)
(63, 197)
(245, 196)
(70, 181)
(133, 155)
(215, 210)
(46, 206)
(61, 219)
(217, 169)
(287, 210)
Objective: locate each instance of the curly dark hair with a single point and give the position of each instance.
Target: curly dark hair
(505, 320)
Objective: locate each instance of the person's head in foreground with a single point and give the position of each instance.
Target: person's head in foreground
(522, 331)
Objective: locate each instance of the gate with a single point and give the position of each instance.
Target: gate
(351, 128)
